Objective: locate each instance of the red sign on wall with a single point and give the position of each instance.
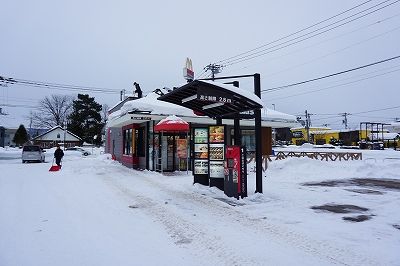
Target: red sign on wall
(233, 162)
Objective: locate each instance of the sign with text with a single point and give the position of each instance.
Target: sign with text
(200, 135)
(216, 169)
(200, 155)
(213, 96)
(200, 167)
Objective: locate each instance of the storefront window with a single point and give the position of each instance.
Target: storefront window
(249, 140)
(129, 143)
(141, 141)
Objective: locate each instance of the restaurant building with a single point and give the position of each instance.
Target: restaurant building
(131, 137)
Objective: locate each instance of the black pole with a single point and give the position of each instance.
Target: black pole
(173, 152)
(257, 113)
(229, 77)
(147, 145)
(153, 159)
(236, 123)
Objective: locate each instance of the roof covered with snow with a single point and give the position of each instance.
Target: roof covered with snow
(150, 105)
(52, 133)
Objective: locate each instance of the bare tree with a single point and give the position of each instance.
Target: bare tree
(52, 111)
(104, 113)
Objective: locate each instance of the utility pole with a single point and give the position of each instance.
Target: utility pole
(345, 119)
(214, 68)
(308, 126)
(122, 95)
(30, 125)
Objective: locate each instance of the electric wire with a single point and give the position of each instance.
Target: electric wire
(377, 110)
(335, 86)
(343, 84)
(294, 33)
(331, 75)
(336, 51)
(376, 117)
(290, 42)
(325, 55)
(48, 85)
(18, 105)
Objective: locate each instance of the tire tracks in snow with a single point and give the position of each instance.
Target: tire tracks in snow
(280, 233)
(182, 231)
(211, 244)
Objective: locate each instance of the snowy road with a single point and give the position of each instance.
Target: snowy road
(97, 212)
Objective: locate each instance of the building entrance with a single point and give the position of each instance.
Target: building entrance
(171, 154)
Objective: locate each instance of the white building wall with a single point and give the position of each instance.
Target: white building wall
(58, 134)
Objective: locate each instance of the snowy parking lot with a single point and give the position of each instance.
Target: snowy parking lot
(98, 212)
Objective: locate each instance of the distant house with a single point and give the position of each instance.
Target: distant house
(9, 134)
(57, 135)
(2, 135)
(6, 136)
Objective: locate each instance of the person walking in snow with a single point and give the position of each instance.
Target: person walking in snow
(58, 154)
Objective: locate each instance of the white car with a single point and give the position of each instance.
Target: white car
(83, 151)
(32, 153)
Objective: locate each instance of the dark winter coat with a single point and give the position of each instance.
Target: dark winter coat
(58, 154)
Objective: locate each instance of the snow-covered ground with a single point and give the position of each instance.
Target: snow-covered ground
(97, 212)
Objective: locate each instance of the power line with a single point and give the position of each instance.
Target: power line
(336, 51)
(356, 114)
(294, 33)
(48, 85)
(335, 86)
(290, 42)
(376, 117)
(18, 105)
(331, 75)
(377, 110)
(323, 41)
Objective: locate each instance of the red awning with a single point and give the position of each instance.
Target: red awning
(172, 124)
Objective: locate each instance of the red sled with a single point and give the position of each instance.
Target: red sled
(54, 168)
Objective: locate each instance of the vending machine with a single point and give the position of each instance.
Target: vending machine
(235, 182)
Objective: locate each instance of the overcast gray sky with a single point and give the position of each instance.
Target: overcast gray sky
(111, 44)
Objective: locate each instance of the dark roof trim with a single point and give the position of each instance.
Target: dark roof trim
(213, 99)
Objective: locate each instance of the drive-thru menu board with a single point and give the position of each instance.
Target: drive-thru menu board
(200, 167)
(216, 151)
(201, 151)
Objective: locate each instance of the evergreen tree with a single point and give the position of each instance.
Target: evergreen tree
(85, 119)
(21, 136)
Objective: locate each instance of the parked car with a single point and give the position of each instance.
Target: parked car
(32, 153)
(83, 151)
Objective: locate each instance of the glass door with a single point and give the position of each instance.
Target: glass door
(167, 153)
